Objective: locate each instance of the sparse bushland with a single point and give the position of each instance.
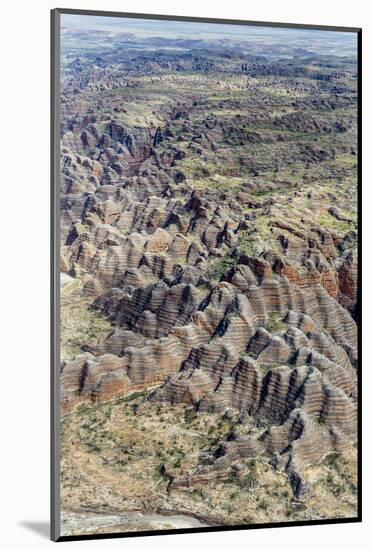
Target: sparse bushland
(108, 458)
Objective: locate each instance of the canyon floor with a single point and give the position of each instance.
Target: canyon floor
(208, 220)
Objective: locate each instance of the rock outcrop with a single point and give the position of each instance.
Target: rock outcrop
(220, 244)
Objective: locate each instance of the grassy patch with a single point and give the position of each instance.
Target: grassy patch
(246, 244)
(80, 325)
(219, 267)
(329, 222)
(275, 323)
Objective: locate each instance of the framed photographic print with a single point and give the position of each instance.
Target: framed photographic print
(205, 281)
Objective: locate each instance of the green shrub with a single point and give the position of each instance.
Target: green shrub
(219, 267)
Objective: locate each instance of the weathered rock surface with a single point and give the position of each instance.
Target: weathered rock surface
(221, 246)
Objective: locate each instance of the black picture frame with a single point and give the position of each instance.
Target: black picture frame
(55, 283)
